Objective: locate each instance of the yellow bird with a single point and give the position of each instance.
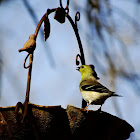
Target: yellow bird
(92, 91)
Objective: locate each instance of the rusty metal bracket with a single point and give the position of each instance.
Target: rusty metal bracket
(30, 45)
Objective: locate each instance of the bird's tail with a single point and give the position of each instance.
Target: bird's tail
(114, 94)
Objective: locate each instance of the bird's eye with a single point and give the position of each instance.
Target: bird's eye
(82, 66)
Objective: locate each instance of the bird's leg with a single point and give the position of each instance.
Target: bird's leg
(99, 110)
(86, 108)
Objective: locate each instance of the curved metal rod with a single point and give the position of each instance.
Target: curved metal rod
(77, 17)
(29, 77)
(81, 55)
(42, 19)
(67, 6)
(60, 3)
(25, 62)
(78, 39)
(77, 62)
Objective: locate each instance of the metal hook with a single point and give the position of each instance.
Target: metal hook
(77, 62)
(82, 58)
(77, 17)
(67, 6)
(25, 62)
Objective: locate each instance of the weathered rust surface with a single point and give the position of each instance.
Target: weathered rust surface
(97, 125)
(53, 122)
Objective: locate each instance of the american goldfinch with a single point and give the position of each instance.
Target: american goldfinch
(30, 45)
(92, 91)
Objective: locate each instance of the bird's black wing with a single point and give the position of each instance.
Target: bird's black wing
(96, 88)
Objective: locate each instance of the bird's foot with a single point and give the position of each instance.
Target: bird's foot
(85, 109)
(99, 110)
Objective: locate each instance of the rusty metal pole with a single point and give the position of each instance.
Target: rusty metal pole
(81, 55)
(28, 83)
(29, 77)
(78, 39)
